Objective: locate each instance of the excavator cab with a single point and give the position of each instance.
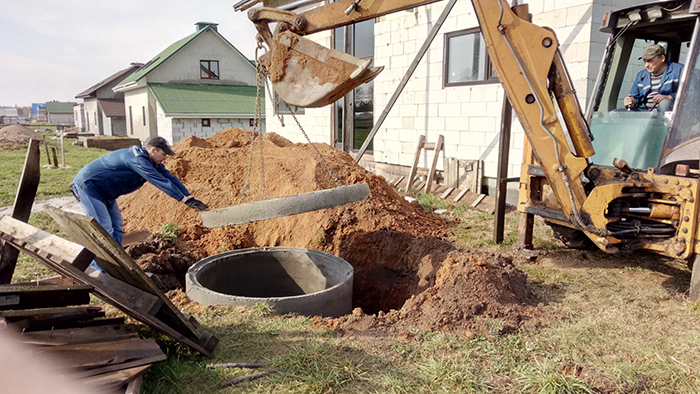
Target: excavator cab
(639, 137)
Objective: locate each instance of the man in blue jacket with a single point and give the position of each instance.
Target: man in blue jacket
(121, 172)
(655, 87)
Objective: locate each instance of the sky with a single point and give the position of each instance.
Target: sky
(55, 49)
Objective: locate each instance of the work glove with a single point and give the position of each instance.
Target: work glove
(196, 204)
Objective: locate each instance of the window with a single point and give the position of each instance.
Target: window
(206, 122)
(131, 121)
(283, 107)
(88, 121)
(143, 115)
(466, 60)
(209, 69)
(94, 115)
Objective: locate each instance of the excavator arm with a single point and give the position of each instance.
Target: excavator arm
(616, 207)
(525, 57)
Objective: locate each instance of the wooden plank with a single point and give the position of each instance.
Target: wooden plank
(134, 387)
(477, 201)
(418, 185)
(422, 171)
(416, 159)
(22, 208)
(433, 165)
(136, 298)
(44, 296)
(115, 380)
(104, 354)
(460, 195)
(9, 300)
(398, 181)
(88, 232)
(447, 192)
(55, 156)
(67, 336)
(51, 245)
(136, 236)
(204, 343)
(526, 222)
(67, 310)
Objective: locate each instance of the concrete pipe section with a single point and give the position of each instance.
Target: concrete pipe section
(304, 281)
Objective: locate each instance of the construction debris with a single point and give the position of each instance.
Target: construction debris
(56, 320)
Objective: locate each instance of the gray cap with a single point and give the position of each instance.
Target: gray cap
(162, 143)
(653, 51)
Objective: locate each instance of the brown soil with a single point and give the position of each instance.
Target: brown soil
(11, 136)
(333, 70)
(167, 259)
(404, 269)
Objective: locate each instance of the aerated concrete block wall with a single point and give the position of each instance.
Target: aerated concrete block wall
(182, 128)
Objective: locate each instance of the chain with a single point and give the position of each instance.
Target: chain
(335, 176)
(256, 125)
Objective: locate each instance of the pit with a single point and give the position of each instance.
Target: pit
(288, 280)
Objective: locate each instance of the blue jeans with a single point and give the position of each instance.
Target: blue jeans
(106, 213)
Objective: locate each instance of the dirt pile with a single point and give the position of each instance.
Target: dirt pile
(166, 258)
(16, 136)
(470, 295)
(396, 249)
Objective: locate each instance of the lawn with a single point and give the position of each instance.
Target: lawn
(54, 182)
(618, 324)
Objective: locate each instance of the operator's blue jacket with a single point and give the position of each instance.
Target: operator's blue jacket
(669, 83)
(125, 170)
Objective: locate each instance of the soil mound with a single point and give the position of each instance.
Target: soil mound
(396, 248)
(12, 135)
(470, 295)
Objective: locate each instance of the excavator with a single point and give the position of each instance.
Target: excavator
(610, 178)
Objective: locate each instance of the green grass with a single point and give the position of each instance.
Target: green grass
(54, 182)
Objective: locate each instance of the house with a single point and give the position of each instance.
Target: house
(39, 112)
(103, 108)
(60, 112)
(197, 86)
(79, 116)
(453, 91)
(9, 115)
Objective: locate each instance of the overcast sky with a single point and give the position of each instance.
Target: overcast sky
(55, 49)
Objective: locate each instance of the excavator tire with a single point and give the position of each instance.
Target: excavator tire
(572, 238)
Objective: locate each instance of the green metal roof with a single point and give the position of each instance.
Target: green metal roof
(161, 57)
(56, 107)
(206, 99)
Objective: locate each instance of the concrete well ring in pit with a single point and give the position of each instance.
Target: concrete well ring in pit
(289, 280)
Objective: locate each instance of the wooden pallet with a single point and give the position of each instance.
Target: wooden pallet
(125, 286)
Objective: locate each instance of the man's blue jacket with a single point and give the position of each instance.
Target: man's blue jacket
(124, 171)
(669, 83)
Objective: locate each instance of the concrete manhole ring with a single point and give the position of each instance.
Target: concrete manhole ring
(304, 281)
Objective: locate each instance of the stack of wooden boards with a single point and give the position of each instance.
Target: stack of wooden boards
(477, 201)
(123, 284)
(55, 320)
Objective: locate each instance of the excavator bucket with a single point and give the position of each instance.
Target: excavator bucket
(306, 74)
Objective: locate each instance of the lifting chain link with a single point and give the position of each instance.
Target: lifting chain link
(262, 74)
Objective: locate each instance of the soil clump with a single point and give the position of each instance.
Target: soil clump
(405, 270)
(16, 137)
(164, 257)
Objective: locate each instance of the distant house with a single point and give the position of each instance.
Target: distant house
(103, 107)
(197, 86)
(10, 115)
(60, 112)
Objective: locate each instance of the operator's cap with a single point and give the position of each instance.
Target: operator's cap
(162, 143)
(653, 51)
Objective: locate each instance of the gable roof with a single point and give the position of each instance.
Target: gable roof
(56, 107)
(167, 53)
(206, 99)
(112, 78)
